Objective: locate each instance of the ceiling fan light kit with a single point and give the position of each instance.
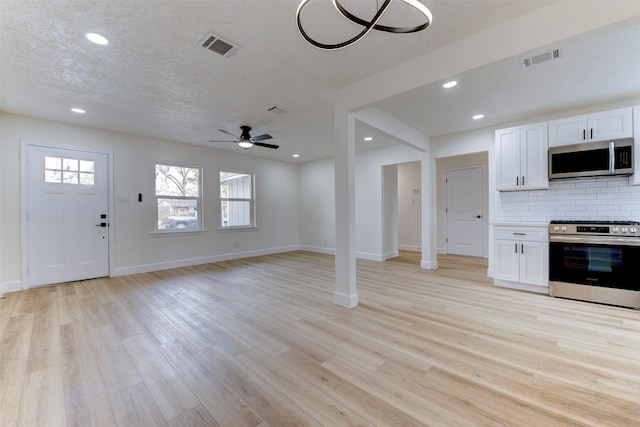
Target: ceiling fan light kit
(245, 140)
(368, 25)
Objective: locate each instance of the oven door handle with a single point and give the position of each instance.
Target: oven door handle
(597, 240)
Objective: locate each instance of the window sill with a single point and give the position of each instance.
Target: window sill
(241, 228)
(177, 232)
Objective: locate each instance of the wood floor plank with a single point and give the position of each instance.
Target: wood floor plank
(221, 402)
(168, 390)
(44, 348)
(42, 402)
(196, 417)
(134, 406)
(116, 367)
(317, 404)
(266, 401)
(87, 404)
(13, 374)
(69, 307)
(17, 337)
(259, 342)
(78, 353)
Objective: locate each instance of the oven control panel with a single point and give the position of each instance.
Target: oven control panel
(618, 228)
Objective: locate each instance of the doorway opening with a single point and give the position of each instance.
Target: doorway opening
(462, 205)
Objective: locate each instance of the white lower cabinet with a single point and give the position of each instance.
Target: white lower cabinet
(521, 257)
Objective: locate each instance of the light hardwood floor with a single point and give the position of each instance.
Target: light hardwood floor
(258, 342)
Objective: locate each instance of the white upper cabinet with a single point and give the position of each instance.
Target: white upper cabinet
(613, 124)
(521, 158)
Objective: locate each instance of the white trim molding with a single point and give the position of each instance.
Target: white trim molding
(344, 300)
(14, 286)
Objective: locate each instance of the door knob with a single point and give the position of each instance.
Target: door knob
(478, 216)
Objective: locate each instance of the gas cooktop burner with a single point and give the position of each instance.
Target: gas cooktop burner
(604, 222)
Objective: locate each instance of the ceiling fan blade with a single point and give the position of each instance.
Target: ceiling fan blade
(261, 137)
(262, 144)
(213, 140)
(229, 133)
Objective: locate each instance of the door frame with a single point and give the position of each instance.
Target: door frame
(483, 201)
(24, 240)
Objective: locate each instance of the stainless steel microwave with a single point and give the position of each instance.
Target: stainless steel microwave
(592, 159)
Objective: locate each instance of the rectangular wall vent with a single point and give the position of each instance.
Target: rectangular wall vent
(278, 110)
(543, 57)
(218, 45)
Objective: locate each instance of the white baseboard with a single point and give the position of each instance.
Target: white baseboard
(389, 255)
(146, 268)
(490, 272)
(7, 287)
(409, 248)
(370, 256)
(428, 265)
(344, 300)
(317, 249)
(441, 251)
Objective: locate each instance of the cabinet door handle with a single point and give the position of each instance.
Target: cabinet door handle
(523, 180)
(519, 234)
(521, 248)
(584, 134)
(591, 133)
(517, 180)
(516, 247)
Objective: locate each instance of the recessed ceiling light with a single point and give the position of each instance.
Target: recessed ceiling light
(97, 39)
(449, 85)
(368, 138)
(78, 110)
(477, 116)
(296, 155)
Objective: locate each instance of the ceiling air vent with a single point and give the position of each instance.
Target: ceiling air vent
(543, 57)
(218, 45)
(278, 110)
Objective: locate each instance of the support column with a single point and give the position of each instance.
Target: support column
(345, 294)
(429, 259)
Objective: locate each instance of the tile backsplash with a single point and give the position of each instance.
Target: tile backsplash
(605, 198)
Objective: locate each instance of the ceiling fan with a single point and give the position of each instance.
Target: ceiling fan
(246, 141)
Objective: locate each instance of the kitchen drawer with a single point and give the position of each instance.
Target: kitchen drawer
(536, 234)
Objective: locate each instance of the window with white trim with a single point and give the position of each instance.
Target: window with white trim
(178, 198)
(237, 200)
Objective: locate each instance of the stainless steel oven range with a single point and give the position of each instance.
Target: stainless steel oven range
(596, 261)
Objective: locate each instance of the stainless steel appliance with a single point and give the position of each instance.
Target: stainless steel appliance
(592, 159)
(595, 261)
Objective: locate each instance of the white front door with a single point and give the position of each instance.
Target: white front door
(67, 215)
(465, 221)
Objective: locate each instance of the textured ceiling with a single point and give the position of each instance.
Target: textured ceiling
(154, 80)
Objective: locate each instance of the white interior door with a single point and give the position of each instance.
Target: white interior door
(67, 208)
(465, 221)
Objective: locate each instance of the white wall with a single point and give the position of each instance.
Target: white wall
(134, 159)
(317, 206)
(317, 213)
(369, 202)
(409, 206)
(389, 221)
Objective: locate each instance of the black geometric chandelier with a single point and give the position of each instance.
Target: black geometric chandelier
(368, 25)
